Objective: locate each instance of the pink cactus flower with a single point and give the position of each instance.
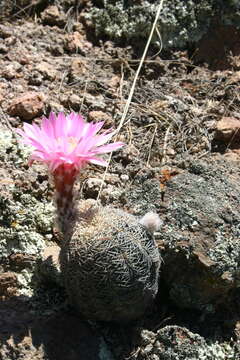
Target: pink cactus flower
(66, 144)
(68, 140)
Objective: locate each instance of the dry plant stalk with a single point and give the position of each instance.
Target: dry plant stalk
(125, 111)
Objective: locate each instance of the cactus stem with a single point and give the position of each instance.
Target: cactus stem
(64, 177)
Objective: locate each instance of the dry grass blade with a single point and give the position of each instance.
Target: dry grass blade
(165, 146)
(125, 111)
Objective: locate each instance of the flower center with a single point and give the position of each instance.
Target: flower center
(71, 142)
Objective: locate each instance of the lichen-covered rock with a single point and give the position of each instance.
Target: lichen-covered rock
(200, 235)
(110, 264)
(180, 22)
(21, 221)
(25, 219)
(178, 343)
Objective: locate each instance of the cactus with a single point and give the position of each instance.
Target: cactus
(109, 259)
(110, 263)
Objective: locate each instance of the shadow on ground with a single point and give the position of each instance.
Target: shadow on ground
(58, 336)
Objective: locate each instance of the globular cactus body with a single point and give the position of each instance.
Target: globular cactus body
(110, 264)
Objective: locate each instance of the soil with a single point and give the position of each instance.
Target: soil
(50, 64)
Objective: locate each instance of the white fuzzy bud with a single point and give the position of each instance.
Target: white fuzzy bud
(151, 221)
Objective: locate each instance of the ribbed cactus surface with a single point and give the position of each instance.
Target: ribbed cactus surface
(110, 264)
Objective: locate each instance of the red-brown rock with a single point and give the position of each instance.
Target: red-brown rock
(8, 284)
(27, 106)
(47, 70)
(100, 116)
(228, 130)
(75, 42)
(52, 16)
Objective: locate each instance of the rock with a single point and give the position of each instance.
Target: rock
(124, 178)
(8, 285)
(228, 130)
(10, 42)
(57, 50)
(76, 43)
(47, 70)
(3, 49)
(74, 101)
(130, 153)
(55, 106)
(234, 76)
(95, 102)
(114, 82)
(35, 78)
(20, 261)
(112, 179)
(100, 116)
(51, 16)
(175, 342)
(199, 239)
(211, 50)
(132, 21)
(27, 106)
(11, 70)
(92, 187)
(5, 31)
(110, 264)
(78, 69)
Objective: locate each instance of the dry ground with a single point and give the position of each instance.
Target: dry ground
(171, 122)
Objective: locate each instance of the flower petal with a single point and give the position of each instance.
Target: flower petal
(108, 148)
(68, 140)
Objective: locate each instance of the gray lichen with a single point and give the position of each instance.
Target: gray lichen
(226, 255)
(23, 224)
(25, 282)
(178, 343)
(180, 22)
(25, 219)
